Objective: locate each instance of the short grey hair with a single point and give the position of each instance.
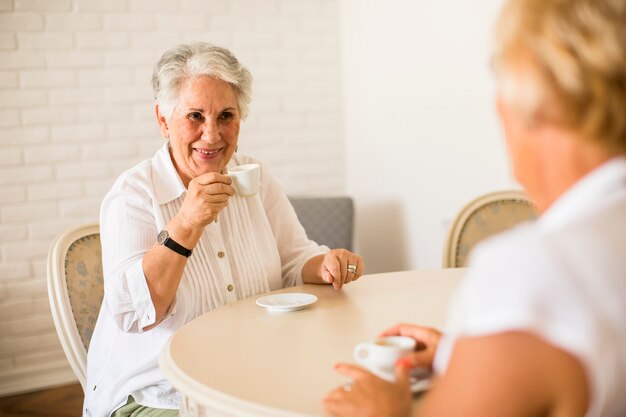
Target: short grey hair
(191, 60)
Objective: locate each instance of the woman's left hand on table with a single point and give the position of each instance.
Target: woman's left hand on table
(340, 266)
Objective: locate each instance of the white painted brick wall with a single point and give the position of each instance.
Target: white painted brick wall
(10, 232)
(43, 5)
(46, 78)
(23, 136)
(14, 269)
(8, 79)
(76, 110)
(67, 21)
(12, 194)
(9, 117)
(52, 190)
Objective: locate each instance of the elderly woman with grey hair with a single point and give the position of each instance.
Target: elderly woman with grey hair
(537, 327)
(178, 241)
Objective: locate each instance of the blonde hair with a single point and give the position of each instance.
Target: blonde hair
(198, 59)
(565, 61)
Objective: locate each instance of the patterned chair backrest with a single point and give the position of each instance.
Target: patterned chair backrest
(483, 217)
(75, 290)
(85, 283)
(327, 220)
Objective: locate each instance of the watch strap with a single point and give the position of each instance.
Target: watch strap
(165, 240)
(176, 247)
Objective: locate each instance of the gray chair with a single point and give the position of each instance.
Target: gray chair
(327, 220)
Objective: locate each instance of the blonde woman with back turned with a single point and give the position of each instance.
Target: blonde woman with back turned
(537, 327)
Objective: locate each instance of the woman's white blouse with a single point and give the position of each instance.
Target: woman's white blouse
(257, 245)
(562, 278)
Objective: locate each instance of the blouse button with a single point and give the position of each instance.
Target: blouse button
(230, 288)
(220, 254)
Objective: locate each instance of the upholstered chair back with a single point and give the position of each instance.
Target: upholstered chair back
(85, 284)
(327, 220)
(485, 216)
(75, 290)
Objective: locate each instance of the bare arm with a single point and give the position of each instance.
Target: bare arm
(512, 374)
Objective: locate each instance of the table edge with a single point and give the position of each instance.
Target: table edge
(214, 399)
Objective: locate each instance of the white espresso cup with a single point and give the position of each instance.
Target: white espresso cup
(381, 355)
(245, 179)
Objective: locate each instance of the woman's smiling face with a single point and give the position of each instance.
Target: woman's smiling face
(203, 128)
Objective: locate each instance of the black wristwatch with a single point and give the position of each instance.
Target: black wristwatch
(164, 239)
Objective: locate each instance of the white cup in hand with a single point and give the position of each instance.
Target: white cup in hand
(245, 179)
(381, 355)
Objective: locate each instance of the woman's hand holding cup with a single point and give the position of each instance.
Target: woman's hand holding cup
(427, 340)
(207, 195)
(379, 390)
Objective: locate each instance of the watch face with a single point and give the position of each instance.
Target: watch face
(162, 236)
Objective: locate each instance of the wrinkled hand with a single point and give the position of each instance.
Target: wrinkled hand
(427, 340)
(369, 396)
(207, 195)
(334, 269)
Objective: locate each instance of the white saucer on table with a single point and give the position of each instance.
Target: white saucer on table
(286, 302)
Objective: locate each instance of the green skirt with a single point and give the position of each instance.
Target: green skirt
(132, 409)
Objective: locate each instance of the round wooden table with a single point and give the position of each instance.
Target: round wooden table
(243, 360)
